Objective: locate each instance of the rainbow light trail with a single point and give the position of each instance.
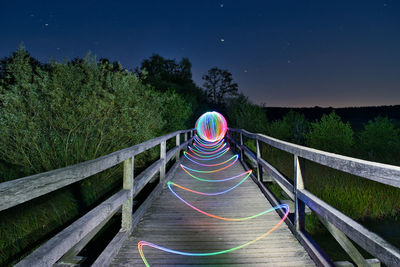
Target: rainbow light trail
(209, 144)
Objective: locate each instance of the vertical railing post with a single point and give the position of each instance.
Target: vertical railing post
(241, 146)
(259, 168)
(191, 133)
(185, 136)
(163, 156)
(178, 143)
(128, 180)
(299, 212)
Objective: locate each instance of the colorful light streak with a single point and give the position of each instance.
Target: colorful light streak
(211, 158)
(209, 127)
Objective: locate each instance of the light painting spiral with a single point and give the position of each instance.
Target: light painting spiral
(209, 144)
(211, 126)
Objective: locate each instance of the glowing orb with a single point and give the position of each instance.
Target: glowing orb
(211, 126)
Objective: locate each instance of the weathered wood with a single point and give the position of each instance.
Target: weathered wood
(383, 173)
(14, 192)
(145, 176)
(112, 249)
(241, 146)
(259, 168)
(178, 143)
(299, 212)
(48, 253)
(286, 186)
(71, 256)
(163, 156)
(169, 222)
(128, 180)
(369, 241)
(370, 262)
(345, 243)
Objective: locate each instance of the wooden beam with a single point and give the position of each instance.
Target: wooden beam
(163, 156)
(112, 249)
(345, 243)
(128, 185)
(299, 207)
(178, 143)
(48, 253)
(379, 172)
(369, 241)
(15, 192)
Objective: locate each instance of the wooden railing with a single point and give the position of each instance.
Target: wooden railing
(63, 248)
(341, 226)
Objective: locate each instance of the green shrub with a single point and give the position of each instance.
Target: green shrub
(58, 114)
(292, 128)
(380, 141)
(331, 134)
(243, 114)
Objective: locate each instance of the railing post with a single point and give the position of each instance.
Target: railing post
(259, 168)
(185, 136)
(241, 146)
(178, 143)
(299, 207)
(163, 156)
(128, 180)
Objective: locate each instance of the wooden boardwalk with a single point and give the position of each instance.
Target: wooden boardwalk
(172, 224)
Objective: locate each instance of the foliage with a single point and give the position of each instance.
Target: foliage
(219, 85)
(380, 141)
(292, 128)
(244, 115)
(168, 75)
(58, 114)
(331, 134)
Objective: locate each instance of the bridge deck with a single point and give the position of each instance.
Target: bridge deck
(171, 223)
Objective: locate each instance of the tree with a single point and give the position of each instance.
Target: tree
(380, 141)
(331, 134)
(167, 75)
(219, 84)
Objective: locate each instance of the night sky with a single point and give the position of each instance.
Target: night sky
(281, 53)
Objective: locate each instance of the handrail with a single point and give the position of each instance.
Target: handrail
(14, 192)
(70, 241)
(338, 224)
(379, 172)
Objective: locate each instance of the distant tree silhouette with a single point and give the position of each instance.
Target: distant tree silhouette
(219, 85)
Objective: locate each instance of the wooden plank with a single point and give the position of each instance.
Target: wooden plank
(48, 253)
(163, 157)
(112, 249)
(345, 243)
(371, 242)
(14, 192)
(128, 180)
(379, 172)
(169, 222)
(145, 176)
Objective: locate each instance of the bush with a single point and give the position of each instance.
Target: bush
(242, 114)
(380, 141)
(58, 114)
(292, 128)
(331, 134)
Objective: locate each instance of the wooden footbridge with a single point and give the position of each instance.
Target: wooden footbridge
(166, 221)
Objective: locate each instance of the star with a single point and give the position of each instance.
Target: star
(46, 24)
(222, 40)
(289, 61)
(245, 70)
(222, 5)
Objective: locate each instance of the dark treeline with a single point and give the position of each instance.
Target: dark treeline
(356, 116)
